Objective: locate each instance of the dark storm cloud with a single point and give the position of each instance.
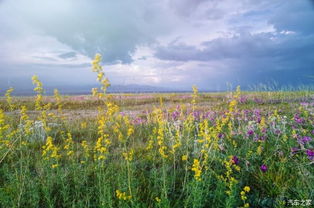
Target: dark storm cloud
(113, 28)
(253, 58)
(285, 55)
(295, 16)
(243, 46)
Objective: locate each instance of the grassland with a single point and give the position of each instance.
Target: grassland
(233, 149)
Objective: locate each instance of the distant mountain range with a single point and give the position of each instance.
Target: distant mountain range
(75, 90)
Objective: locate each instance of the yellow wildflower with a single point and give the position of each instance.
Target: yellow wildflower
(122, 195)
(128, 156)
(158, 200)
(197, 169)
(54, 166)
(243, 197)
(247, 189)
(9, 98)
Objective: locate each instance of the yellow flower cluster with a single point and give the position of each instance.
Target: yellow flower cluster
(43, 116)
(95, 92)
(259, 149)
(24, 116)
(24, 120)
(122, 195)
(158, 117)
(128, 156)
(150, 143)
(128, 125)
(3, 129)
(3, 126)
(121, 122)
(54, 166)
(227, 119)
(102, 145)
(103, 142)
(96, 67)
(234, 101)
(116, 127)
(196, 167)
(176, 141)
(39, 90)
(229, 179)
(85, 151)
(276, 115)
(206, 133)
(184, 158)
(246, 189)
(9, 98)
(83, 125)
(194, 97)
(157, 199)
(111, 110)
(262, 124)
(50, 151)
(58, 100)
(69, 145)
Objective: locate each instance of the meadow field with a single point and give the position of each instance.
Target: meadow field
(228, 149)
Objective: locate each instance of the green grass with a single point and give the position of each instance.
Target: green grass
(27, 179)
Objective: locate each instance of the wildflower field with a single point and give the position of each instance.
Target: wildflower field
(232, 149)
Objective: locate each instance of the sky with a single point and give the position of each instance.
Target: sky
(172, 44)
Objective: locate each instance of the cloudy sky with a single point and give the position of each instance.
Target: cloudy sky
(167, 43)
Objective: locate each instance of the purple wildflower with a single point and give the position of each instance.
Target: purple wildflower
(306, 139)
(259, 119)
(258, 101)
(235, 160)
(197, 115)
(250, 132)
(262, 138)
(243, 99)
(304, 104)
(310, 154)
(138, 121)
(175, 115)
(278, 132)
(263, 168)
(298, 119)
(294, 150)
(206, 115)
(220, 135)
(257, 112)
